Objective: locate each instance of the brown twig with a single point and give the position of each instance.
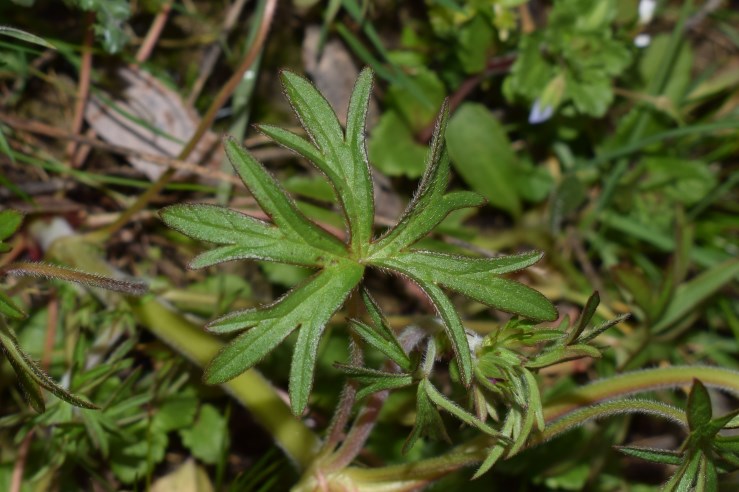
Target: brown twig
(51, 323)
(83, 89)
(152, 36)
(527, 21)
(143, 54)
(202, 128)
(16, 481)
(37, 127)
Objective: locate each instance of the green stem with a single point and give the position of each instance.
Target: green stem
(251, 389)
(639, 382)
(576, 408)
(608, 409)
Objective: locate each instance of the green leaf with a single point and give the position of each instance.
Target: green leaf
(394, 149)
(388, 347)
(176, 412)
(499, 448)
(10, 221)
(454, 329)
(306, 348)
(314, 187)
(25, 36)
(482, 154)
(476, 279)
(699, 406)
(663, 456)
(273, 324)
(344, 159)
(429, 205)
(691, 294)
(380, 335)
(30, 374)
(593, 333)
(475, 41)
(374, 380)
(419, 100)
(582, 322)
(245, 237)
(428, 421)
(9, 309)
(280, 207)
(446, 404)
(297, 144)
(207, 439)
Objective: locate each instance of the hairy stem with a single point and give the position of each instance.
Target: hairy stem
(639, 382)
(608, 409)
(48, 270)
(578, 407)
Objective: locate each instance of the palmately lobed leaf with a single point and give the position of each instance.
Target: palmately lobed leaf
(292, 238)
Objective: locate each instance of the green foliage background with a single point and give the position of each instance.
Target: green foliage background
(534, 155)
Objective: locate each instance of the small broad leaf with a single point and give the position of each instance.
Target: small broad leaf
(10, 221)
(207, 438)
(483, 156)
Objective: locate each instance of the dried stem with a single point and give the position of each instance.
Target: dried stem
(155, 30)
(48, 270)
(83, 89)
(204, 125)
